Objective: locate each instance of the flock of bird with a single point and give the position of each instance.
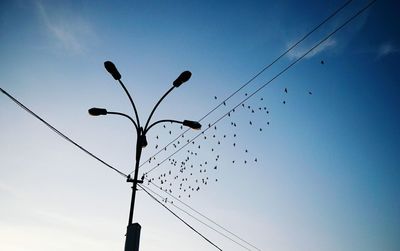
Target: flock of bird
(197, 165)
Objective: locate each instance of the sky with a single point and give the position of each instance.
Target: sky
(309, 162)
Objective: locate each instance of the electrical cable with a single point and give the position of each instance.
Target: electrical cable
(199, 213)
(187, 224)
(60, 133)
(202, 222)
(255, 76)
(268, 82)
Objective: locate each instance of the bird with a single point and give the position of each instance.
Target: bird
(322, 62)
(310, 93)
(285, 90)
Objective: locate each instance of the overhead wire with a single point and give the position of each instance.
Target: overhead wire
(60, 133)
(267, 83)
(333, 14)
(204, 216)
(180, 218)
(197, 219)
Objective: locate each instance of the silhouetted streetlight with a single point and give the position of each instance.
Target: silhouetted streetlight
(133, 230)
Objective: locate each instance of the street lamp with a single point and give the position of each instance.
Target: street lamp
(133, 229)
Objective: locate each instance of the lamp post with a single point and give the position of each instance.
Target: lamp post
(133, 229)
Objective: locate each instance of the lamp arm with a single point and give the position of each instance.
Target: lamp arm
(137, 124)
(155, 107)
(126, 116)
(162, 121)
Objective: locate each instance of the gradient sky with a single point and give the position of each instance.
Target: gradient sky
(327, 175)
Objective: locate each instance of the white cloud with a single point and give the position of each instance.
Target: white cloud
(297, 52)
(69, 32)
(386, 49)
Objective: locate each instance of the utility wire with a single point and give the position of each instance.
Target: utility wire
(199, 213)
(268, 82)
(197, 219)
(256, 75)
(60, 133)
(187, 224)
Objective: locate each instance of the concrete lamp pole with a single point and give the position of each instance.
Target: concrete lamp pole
(133, 229)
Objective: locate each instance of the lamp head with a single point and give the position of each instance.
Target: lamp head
(97, 111)
(110, 67)
(185, 76)
(192, 124)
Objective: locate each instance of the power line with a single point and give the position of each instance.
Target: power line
(256, 75)
(199, 213)
(202, 222)
(60, 133)
(268, 82)
(187, 224)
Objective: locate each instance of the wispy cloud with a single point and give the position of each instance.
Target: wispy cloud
(299, 51)
(387, 48)
(69, 32)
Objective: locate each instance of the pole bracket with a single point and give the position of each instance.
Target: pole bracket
(129, 179)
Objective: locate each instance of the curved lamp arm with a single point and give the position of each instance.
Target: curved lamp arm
(132, 103)
(154, 109)
(162, 121)
(110, 67)
(126, 116)
(192, 124)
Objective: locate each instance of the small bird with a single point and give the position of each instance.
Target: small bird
(322, 62)
(310, 93)
(285, 90)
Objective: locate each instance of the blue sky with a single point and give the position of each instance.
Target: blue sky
(327, 170)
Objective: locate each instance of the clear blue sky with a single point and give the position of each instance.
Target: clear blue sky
(327, 171)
